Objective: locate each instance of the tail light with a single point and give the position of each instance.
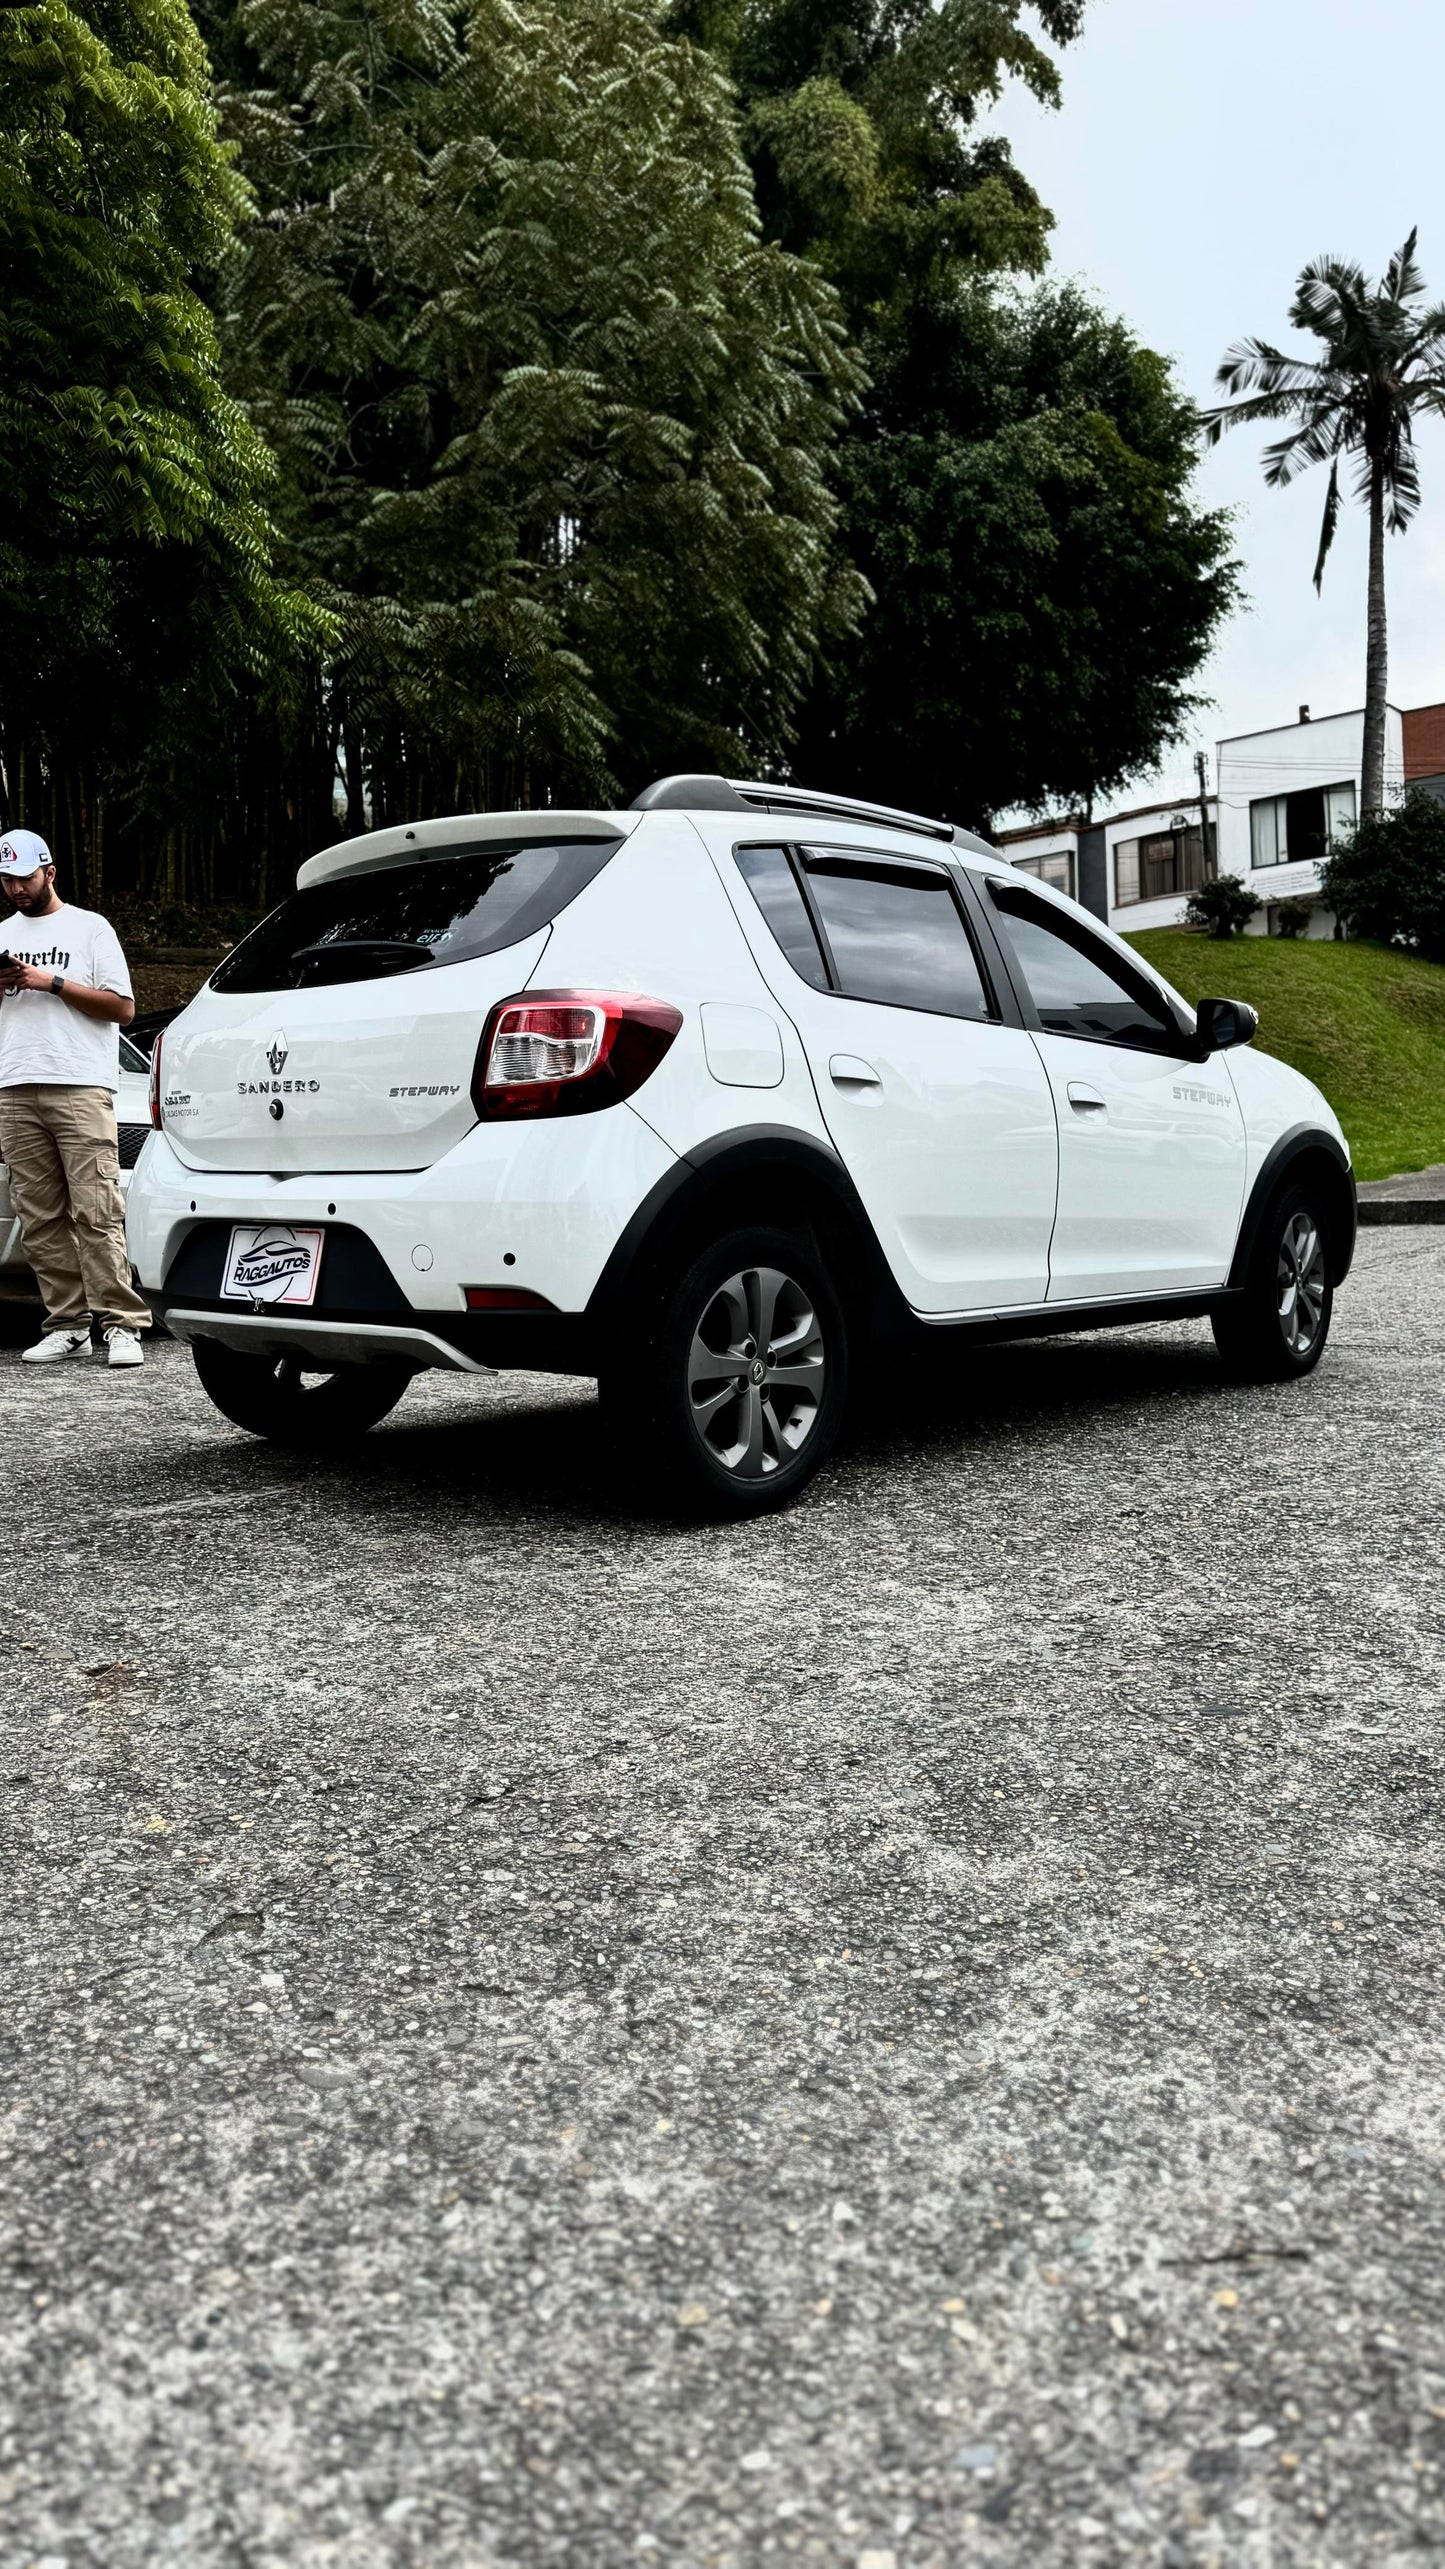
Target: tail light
(156, 1081)
(568, 1052)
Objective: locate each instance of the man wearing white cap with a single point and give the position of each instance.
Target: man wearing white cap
(64, 995)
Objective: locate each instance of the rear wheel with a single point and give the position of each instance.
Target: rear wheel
(737, 1388)
(291, 1403)
(1279, 1325)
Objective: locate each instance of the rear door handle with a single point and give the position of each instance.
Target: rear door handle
(846, 1071)
(1085, 1100)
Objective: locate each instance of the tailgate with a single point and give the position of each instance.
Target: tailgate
(357, 1075)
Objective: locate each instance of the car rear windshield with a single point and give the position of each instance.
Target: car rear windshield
(445, 907)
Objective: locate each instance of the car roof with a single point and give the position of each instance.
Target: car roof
(698, 798)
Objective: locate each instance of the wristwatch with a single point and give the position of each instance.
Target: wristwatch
(57, 984)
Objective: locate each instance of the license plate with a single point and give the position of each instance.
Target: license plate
(273, 1262)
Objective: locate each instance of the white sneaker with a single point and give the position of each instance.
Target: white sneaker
(55, 1344)
(125, 1347)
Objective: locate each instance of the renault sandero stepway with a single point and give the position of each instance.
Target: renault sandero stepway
(706, 1098)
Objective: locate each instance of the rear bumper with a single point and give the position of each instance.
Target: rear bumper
(538, 1208)
(337, 1342)
(463, 1342)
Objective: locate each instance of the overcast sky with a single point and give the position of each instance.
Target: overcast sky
(1201, 156)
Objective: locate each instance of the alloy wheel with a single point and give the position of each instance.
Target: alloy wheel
(755, 1372)
(1301, 1283)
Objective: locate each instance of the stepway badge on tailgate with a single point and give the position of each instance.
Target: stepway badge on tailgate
(272, 1262)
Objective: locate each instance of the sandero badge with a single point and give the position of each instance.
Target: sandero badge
(276, 1056)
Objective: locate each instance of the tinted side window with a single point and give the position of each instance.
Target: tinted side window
(770, 879)
(896, 936)
(443, 908)
(1075, 985)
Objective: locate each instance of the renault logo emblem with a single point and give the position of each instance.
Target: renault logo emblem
(277, 1056)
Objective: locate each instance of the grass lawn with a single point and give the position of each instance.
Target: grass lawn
(1365, 1023)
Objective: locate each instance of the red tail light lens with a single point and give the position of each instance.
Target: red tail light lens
(156, 1081)
(568, 1052)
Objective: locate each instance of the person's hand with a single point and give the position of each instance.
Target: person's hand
(25, 976)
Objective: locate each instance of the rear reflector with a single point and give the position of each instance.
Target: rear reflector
(505, 1298)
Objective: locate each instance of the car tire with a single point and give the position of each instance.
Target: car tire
(736, 1389)
(1276, 1329)
(273, 1396)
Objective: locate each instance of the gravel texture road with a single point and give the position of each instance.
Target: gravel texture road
(902, 2035)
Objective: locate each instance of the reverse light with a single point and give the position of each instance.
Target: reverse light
(568, 1052)
(156, 1081)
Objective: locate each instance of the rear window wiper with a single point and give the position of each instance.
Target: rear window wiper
(396, 954)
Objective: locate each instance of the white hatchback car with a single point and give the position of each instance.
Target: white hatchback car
(133, 1125)
(703, 1098)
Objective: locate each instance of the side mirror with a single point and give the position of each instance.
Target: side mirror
(1219, 1024)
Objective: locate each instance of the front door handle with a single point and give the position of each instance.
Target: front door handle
(1085, 1100)
(846, 1071)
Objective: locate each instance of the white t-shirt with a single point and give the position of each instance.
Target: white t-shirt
(42, 1038)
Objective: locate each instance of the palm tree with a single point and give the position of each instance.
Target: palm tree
(1384, 363)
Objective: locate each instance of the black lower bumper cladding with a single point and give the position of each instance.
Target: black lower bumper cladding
(357, 1289)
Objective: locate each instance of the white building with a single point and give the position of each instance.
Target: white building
(1281, 798)
(1136, 868)
(1286, 795)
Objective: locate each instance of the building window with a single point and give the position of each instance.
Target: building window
(1058, 871)
(1161, 867)
(1299, 829)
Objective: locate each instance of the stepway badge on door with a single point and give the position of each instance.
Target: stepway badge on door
(272, 1262)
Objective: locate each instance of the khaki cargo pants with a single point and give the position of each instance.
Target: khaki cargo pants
(61, 1159)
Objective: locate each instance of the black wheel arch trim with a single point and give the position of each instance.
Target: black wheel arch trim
(1302, 1141)
(751, 1150)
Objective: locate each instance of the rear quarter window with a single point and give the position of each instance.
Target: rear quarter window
(769, 877)
(448, 906)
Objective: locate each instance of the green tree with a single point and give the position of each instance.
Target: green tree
(1015, 489)
(552, 417)
(861, 118)
(1383, 367)
(136, 597)
(1017, 495)
(1387, 879)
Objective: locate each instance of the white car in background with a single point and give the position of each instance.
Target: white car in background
(133, 1124)
(713, 1099)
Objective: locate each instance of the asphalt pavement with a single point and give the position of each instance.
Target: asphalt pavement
(902, 2035)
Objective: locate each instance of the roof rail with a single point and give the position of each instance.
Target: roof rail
(835, 807)
(750, 794)
(688, 794)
